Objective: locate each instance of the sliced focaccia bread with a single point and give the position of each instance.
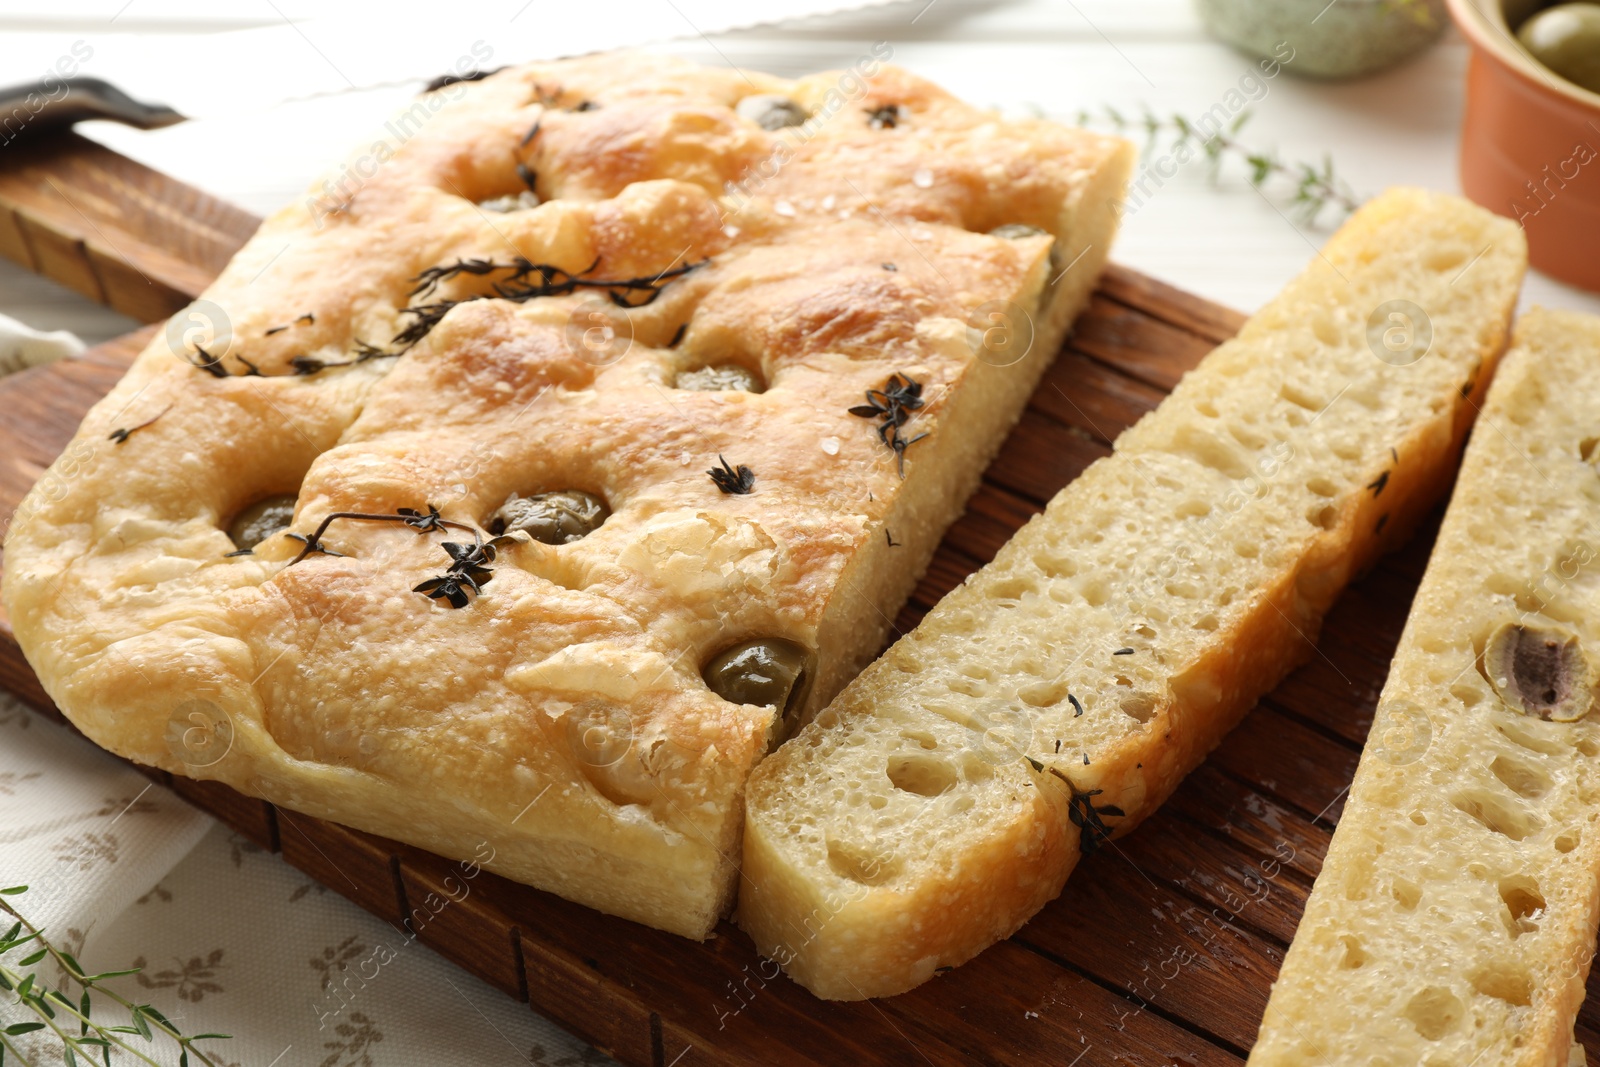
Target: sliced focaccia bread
(1065, 688)
(617, 310)
(1454, 918)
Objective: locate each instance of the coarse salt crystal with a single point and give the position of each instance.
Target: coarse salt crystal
(923, 178)
(784, 208)
(830, 445)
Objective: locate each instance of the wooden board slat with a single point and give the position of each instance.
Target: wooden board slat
(114, 230)
(1160, 951)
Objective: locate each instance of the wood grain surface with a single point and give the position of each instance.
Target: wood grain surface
(1161, 951)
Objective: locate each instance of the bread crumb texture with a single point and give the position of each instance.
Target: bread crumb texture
(1454, 918)
(1065, 688)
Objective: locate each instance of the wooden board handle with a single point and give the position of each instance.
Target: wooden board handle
(116, 231)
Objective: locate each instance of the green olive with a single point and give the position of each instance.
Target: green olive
(770, 111)
(767, 672)
(1539, 670)
(1013, 230)
(720, 377)
(1566, 38)
(261, 520)
(556, 518)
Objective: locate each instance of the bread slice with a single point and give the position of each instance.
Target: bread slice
(1067, 687)
(1454, 918)
(709, 263)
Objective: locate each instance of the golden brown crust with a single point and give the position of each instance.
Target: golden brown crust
(560, 716)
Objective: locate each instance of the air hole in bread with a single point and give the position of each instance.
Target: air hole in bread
(1497, 813)
(926, 776)
(1586, 447)
(1324, 518)
(1249, 438)
(1349, 451)
(921, 737)
(1299, 397)
(1206, 408)
(1531, 734)
(1587, 747)
(1323, 487)
(1524, 904)
(1568, 841)
(1445, 258)
(1354, 955)
(726, 377)
(1406, 893)
(1140, 707)
(1009, 588)
(1419, 818)
(521, 200)
(1209, 450)
(1206, 623)
(861, 865)
(1520, 776)
(1193, 509)
(1054, 566)
(1503, 982)
(1043, 694)
(1326, 329)
(1470, 695)
(1435, 1012)
(1095, 591)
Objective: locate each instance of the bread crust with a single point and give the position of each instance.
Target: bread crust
(1454, 916)
(1210, 543)
(558, 721)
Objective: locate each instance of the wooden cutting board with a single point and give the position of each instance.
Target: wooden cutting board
(1160, 952)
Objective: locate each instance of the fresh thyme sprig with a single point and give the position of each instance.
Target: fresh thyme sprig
(56, 1011)
(1314, 187)
(420, 521)
(900, 396)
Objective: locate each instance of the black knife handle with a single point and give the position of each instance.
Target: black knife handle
(37, 107)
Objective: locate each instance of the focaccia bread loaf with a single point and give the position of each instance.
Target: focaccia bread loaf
(603, 276)
(1065, 689)
(1454, 917)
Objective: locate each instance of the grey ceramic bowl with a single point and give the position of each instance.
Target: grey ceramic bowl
(1341, 39)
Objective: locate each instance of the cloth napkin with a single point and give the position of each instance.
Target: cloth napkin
(230, 938)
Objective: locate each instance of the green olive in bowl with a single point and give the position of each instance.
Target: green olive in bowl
(1566, 39)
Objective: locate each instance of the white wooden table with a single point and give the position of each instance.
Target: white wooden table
(1223, 239)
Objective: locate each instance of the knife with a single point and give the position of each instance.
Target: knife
(154, 80)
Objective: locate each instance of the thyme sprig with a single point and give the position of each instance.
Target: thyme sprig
(469, 564)
(121, 434)
(1313, 187)
(900, 396)
(422, 522)
(524, 280)
(1083, 812)
(737, 481)
(469, 569)
(57, 1011)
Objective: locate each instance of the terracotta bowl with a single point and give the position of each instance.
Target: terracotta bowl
(1530, 143)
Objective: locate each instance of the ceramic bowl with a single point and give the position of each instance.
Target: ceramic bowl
(1530, 143)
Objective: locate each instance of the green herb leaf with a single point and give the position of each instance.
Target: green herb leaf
(16, 1029)
(11, 891)
(29, 961)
